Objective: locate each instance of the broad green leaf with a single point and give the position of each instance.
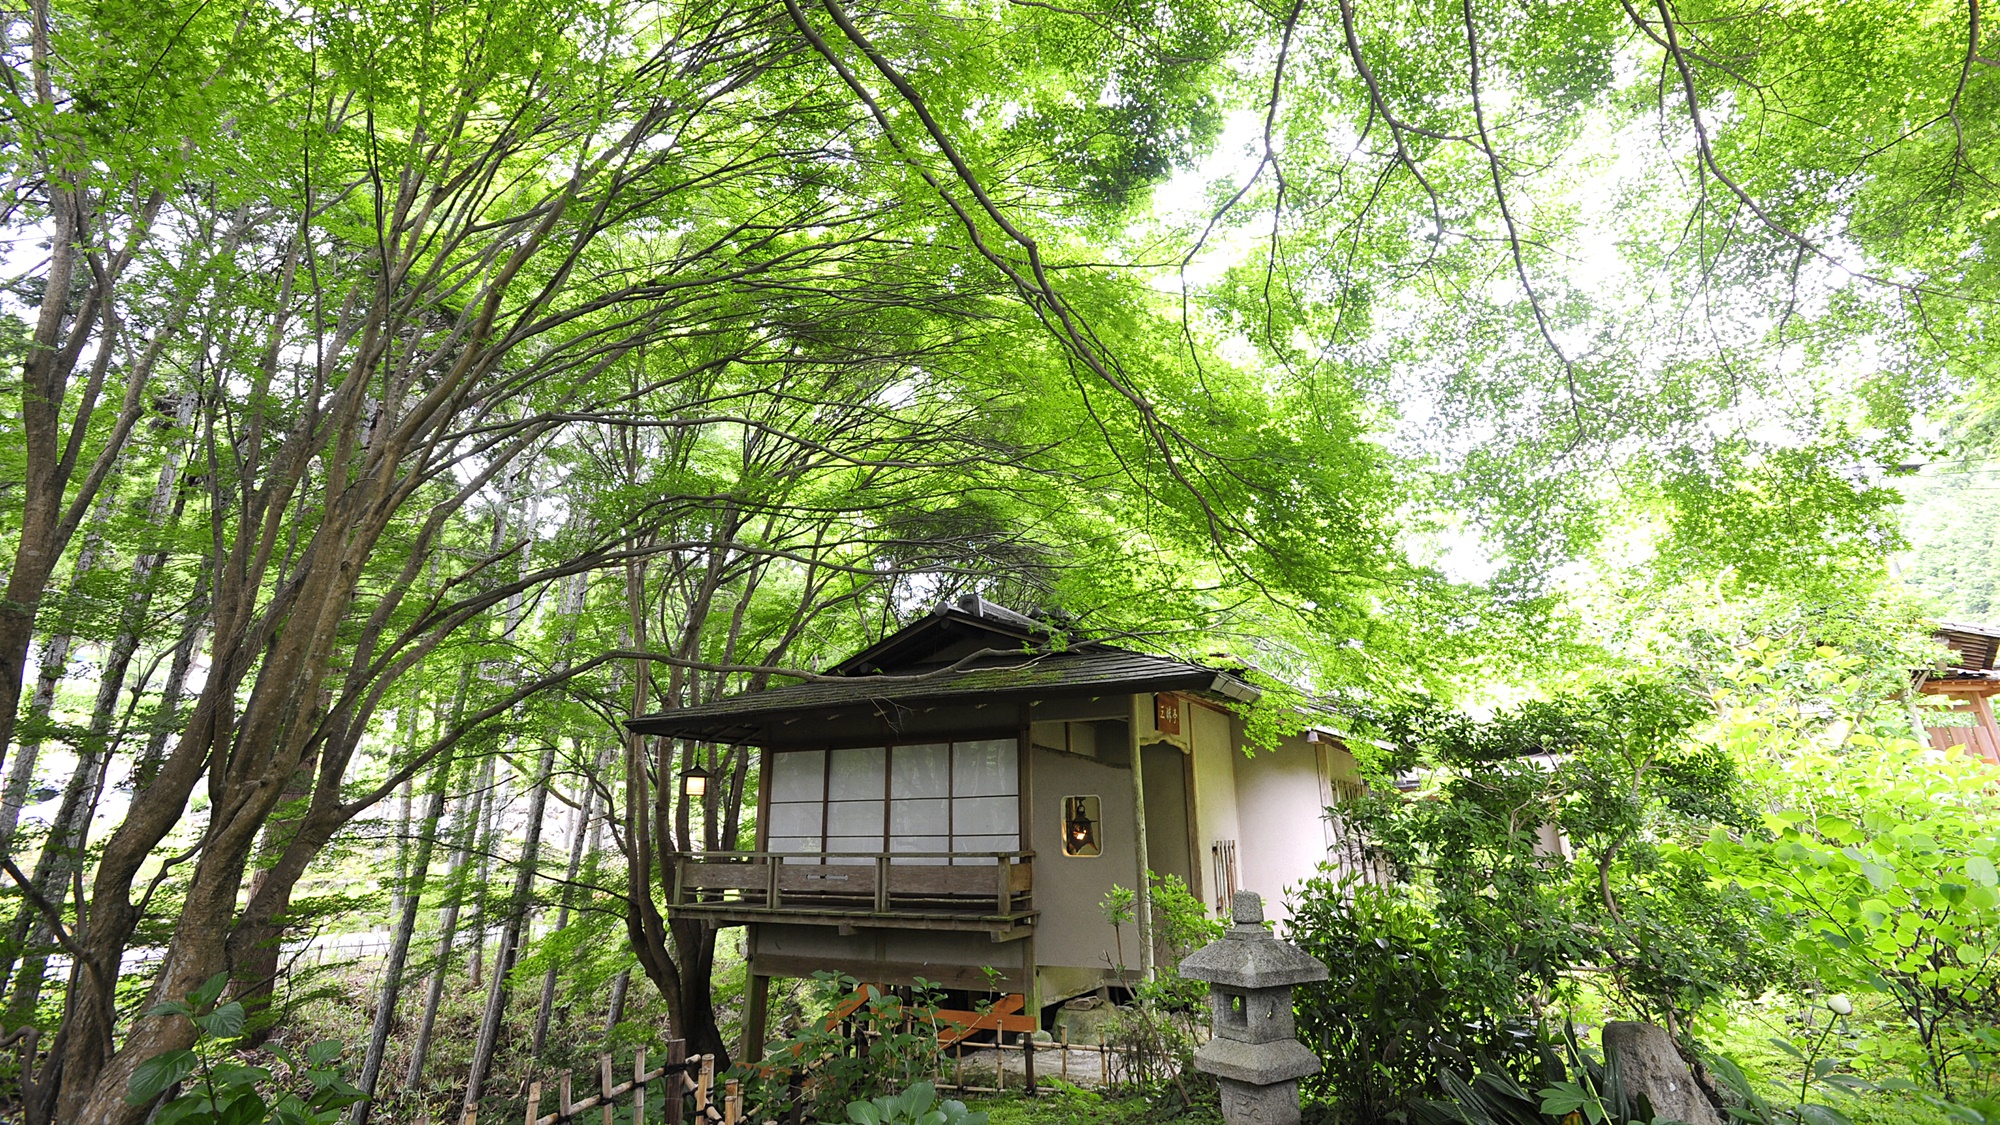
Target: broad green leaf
(1980, 870)
(156, 1074)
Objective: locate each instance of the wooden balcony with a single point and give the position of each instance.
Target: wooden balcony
(973, 891)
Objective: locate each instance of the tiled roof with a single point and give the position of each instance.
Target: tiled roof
(1028, 676)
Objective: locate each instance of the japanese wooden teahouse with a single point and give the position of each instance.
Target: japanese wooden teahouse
(1969, 680)
(955, 802)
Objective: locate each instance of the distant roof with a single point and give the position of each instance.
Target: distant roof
(1976, 646)
(969, 650)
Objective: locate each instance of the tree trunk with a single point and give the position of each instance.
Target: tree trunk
(411, 897)
(53, 666)
(61, 856)
(489, 814)
(465, 833)
(620, 984)
(64, 855)
(400, 887)
(167, 715)
(580, 830)
(509, 949)
(256, 941)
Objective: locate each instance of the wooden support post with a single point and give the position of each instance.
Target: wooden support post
(732, 1103)
(756, 1003)
(562, 1094)
(534, 1103)
(1031, 1001)
(1142, 912)
(704, 1086)
(1005, 867)
(675, 1111)
(772, 866)
(881, 884)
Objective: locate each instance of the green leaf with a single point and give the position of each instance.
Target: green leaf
(205, 995)
(1561, 1100)
(1815, 1114)
(1980, 870)
(225, 1022)
(155, 1075)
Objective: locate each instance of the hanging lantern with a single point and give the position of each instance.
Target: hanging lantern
(694, 783)
(1080, 827)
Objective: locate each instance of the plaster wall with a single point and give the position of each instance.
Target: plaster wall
(1071, 932)
(1282, 795)
(1168, 844)
(1215, 804)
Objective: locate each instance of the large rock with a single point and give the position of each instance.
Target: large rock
(1648, 1064)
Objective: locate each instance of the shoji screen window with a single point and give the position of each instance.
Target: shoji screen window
(939, 797)
(854, 792)
(985, 797)
(796, 816)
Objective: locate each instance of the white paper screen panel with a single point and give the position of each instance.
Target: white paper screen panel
(923, 797)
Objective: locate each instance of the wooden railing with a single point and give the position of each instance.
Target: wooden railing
(883, 883)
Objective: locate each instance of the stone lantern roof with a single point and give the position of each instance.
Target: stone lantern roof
(1248, 956)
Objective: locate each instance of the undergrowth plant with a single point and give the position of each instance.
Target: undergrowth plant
(889, 1043)
(200, 1085)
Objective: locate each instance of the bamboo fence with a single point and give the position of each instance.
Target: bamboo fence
(691, 1088)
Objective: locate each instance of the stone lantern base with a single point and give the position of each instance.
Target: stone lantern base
(1246, 1103)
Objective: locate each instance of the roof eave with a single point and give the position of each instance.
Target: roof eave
(740, 728)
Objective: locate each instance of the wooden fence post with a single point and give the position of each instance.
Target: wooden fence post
(675, 1110)
(639, 1087)
(534, 1103)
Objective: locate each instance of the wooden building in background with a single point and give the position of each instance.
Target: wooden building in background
(954, 803)
(1969, 681)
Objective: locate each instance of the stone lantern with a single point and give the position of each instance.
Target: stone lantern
(1255, 1054)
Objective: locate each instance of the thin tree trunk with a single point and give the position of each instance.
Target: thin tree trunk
(489, 815)
(400, 887)
(580, 831)
(411, 898)
(620, 984)
(465, 833)
(511, 938)
(60, 858)
(166, 717)
(54, 665)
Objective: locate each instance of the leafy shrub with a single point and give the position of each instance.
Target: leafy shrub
(1155, 1036)
(215, 1091)
(1403, 1003)
(886, 1044)
(1891, 868)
